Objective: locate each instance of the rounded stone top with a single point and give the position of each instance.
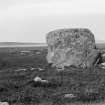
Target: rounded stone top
(57, 34)
(70, 30)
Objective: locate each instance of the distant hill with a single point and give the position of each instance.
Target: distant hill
(100, 45)
(20, 44)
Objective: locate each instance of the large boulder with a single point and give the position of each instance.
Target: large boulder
(67, 47)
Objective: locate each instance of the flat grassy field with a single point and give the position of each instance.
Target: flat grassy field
(20, 66)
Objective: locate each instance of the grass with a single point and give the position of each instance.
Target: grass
(19, 88)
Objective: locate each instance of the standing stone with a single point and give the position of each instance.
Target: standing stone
(67, 47)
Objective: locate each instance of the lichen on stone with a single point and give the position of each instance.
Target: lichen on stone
(67, 47)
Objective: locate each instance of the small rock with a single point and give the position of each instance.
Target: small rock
(60, 68)
(37, 52)
(22, 69)
(32, 68)
(69, 96)
(103, 64)
(45, 81)
(103, 67)
(103, 54)
(38, 79)
(40, 69)
(4, 103)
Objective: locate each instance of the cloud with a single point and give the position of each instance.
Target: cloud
(20, 9)
(23, 20)
(60, 7)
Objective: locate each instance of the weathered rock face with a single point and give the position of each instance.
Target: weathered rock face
(68, 47)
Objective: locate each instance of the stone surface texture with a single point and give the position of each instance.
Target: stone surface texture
(67, 47)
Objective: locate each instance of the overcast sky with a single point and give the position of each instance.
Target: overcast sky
(30, 20)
